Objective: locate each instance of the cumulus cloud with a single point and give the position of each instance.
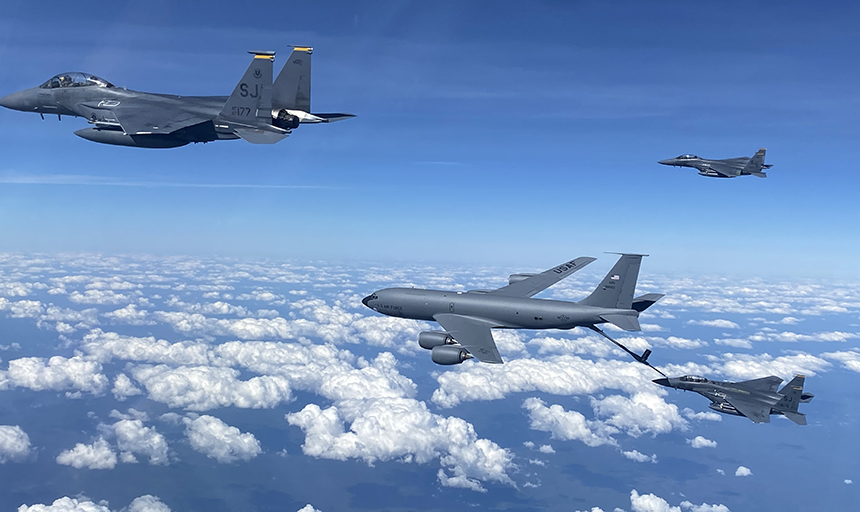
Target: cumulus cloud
(98, 455)
(701, 442)
(850, 359)
(792, 337)
(200, 388)
(642, 413)
(567, 425)
(21, 308)
(146, 503)
(217, 440)
(14, 444)
(720, 323)
(734, 342)
(848, 481)
(74, 374)
(130, 315)
(640, 457)
(654, 503)
(133, 437)
(743, 471)
(563, 375)
(753, 366)
(102, 297)
(402, 429)
(309, 508)
(690, 414)
(123, 388)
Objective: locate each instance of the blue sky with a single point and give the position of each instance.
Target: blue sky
(484, 135)
(490, 138)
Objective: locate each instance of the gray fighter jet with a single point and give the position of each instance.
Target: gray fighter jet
(728, 168)
(756, 399)
(467, 317)
(258, 110)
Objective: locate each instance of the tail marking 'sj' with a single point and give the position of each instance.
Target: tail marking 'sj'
(251, 100)
(755, 164)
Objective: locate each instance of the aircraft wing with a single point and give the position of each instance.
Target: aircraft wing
(757, 411)
(540, 282)
(473, 334)
(727, 168)
(154, 120)
(764, 384)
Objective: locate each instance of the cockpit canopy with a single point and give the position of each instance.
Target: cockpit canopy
(688, 157)
(693, 378)
(75, 79)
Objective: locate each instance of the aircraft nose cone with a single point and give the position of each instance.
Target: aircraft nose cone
(666, 162)
(366, 300)
(662, 382)
(14, 101)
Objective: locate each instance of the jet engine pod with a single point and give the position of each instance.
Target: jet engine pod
(118, 138)
(283, 119)
(449, 354)
(516, 278)
(724, 408)
(430, 339)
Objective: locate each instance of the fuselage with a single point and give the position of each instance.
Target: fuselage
(503, 311)
(96, 104)
(720, 393)
(728, 168)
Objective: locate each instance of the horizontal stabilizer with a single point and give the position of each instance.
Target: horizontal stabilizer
(759, 174)
(626, 322)
(644, 302)
(330, 118)
(796, 417)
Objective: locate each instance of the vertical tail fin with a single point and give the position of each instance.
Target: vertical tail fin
(791, 395)
(251, 100)
(292, 89)
(756, 164)
(616, 289)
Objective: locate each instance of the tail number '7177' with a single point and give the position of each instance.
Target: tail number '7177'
(241, 111)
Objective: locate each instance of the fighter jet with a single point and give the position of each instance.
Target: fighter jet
(756, 399)
(467, 317)
(728, 168)
(258, 110)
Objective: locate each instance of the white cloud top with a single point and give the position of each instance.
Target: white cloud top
(14, 444)
(701, 442)
(217, 440)
(98, 455)
(58, 373)
(146, 503)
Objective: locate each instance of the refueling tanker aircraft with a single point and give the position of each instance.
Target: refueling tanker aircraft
(727, 168)
(467, 317)
(258, 110)
(756, 399)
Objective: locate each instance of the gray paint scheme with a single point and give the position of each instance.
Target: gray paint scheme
(756, 399)
(728, 168)
(468, 317)
(258, 110)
